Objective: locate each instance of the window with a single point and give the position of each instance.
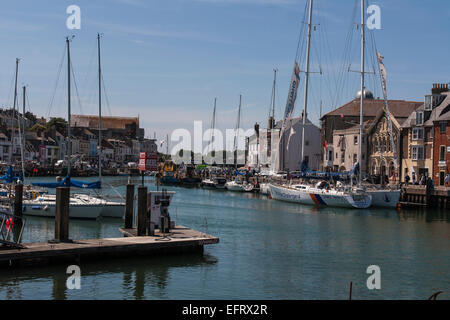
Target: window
(432, 101)
(306, 159)
(419, 118)
(355, 158)
(428, 103)
(417, 153)
(417, 133)
(306, 143)
(343, 157)
(442, 153)
(443, 126)
(330, 155)
(355, 140)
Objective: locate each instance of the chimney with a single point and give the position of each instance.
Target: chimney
(257, 129)
(271, 122)
(439, 88)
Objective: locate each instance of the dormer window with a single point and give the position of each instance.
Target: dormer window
(419, 118)
(432, 101)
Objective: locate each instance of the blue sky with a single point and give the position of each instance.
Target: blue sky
(166, 60)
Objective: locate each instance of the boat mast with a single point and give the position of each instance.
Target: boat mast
(271, 117)
(274, 92)
(308, 47)
(22, 138)
(213, 125)
(69, 151)
(99, 112)
(361, 111)
(14, 111)
(237, 132)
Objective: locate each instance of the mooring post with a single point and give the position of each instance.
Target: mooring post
(129, 204)
(141, 224)
(62, 214)
(18, 223)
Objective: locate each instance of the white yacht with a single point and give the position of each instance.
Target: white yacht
(81, 206)
(321, 195)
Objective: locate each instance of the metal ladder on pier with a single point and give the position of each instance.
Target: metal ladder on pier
(9, 236)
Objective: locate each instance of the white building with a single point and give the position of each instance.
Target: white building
(286, 156)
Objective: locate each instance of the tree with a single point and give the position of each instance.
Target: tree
(59, 124)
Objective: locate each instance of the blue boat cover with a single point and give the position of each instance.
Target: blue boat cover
(9, 176)
(306, 172)
(68, 182)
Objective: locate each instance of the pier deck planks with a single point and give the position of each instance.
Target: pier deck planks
(179, 239)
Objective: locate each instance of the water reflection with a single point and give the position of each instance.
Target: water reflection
(141, 278)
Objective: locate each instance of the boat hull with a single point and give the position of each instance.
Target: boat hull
(385, 198)
(318, 199)
(234, 187)
(97, 208)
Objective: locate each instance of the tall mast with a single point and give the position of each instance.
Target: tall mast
(23, 137)
(14, 111)
(237, 132)
(308, 47)
(213, 124)
(167, 145)
(361, 111)
(69, 151)
(99, 111)
(274, 92)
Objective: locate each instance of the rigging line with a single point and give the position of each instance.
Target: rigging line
(85, 82)
(330, 76)
(56, 83)
(8, 102)
(346, 58)
(106, 95)
(76, 86)
(302, 28)
(27, 106)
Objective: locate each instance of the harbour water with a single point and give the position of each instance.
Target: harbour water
(268, 250)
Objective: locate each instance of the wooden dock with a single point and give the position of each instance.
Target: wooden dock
(179, 239)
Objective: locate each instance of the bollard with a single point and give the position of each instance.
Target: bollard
(129, 204)
(141, 224)
(18, 223)
(62, 214)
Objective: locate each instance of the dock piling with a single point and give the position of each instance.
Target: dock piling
(141, 224)
(129, 206)
(18, 197)
(62, 214)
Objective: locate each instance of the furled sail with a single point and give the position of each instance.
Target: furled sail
(68, 182)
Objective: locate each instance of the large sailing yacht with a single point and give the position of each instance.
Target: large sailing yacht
(80, 205)
(320, 194)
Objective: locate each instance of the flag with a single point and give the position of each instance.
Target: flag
(290, 103)
(325, 145)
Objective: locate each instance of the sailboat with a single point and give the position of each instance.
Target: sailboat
(80, 205)
(264, 187)
(386, 197)
(235, 185)
(321, 194)
(213, 182)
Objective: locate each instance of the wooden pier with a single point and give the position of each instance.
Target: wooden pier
(425, 196)
(143, 239)
(180, 239)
